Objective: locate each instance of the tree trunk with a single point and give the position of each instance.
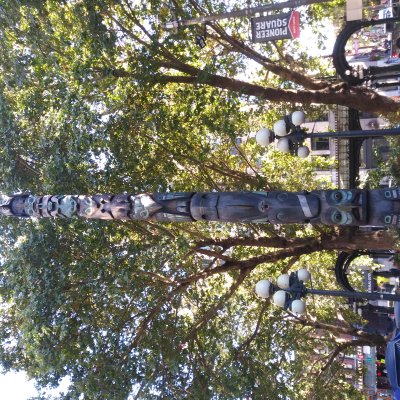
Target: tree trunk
(360, 240)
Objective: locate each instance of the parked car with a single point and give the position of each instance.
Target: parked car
(392, 356)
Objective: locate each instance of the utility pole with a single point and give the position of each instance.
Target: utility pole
(247, 12)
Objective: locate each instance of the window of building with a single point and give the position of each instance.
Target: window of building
(319, 144)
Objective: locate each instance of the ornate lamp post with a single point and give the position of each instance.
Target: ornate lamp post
(290, 289)
(291, 136)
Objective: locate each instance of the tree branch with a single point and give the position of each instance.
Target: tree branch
(140, 331)
(212, 310)
(339, 349)
(279, 70)
(214, 254)
(247, 342)
(367, 337)
(269, 242)
(333, 94)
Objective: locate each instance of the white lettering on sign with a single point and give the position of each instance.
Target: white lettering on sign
(266, 33)
(275, 23)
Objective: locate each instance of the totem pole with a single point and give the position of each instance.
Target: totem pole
(357, 207)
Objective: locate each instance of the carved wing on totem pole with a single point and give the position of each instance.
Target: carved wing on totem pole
(329, 207)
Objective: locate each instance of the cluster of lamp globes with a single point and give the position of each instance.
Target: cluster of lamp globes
(265, 289)
(285, 132)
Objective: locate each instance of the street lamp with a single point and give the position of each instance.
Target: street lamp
(290, 289)
(291, 135)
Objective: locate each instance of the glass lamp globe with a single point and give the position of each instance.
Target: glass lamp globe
(303, 151)
(298, 118)
(283, 281)
(303, 275)
(263, 137)
(283, 145)
(263, 288)
(298, 306)
(279, 298)
(280, 128)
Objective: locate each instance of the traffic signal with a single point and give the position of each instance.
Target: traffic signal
(381, 373)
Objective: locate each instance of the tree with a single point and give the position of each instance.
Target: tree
(102, 42)
(95, 99)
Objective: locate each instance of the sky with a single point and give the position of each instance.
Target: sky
(17, 386)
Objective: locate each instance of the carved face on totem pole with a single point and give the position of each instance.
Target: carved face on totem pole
(344, 207)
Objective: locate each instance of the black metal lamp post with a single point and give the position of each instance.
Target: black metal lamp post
(290, 289)
(291, 135)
